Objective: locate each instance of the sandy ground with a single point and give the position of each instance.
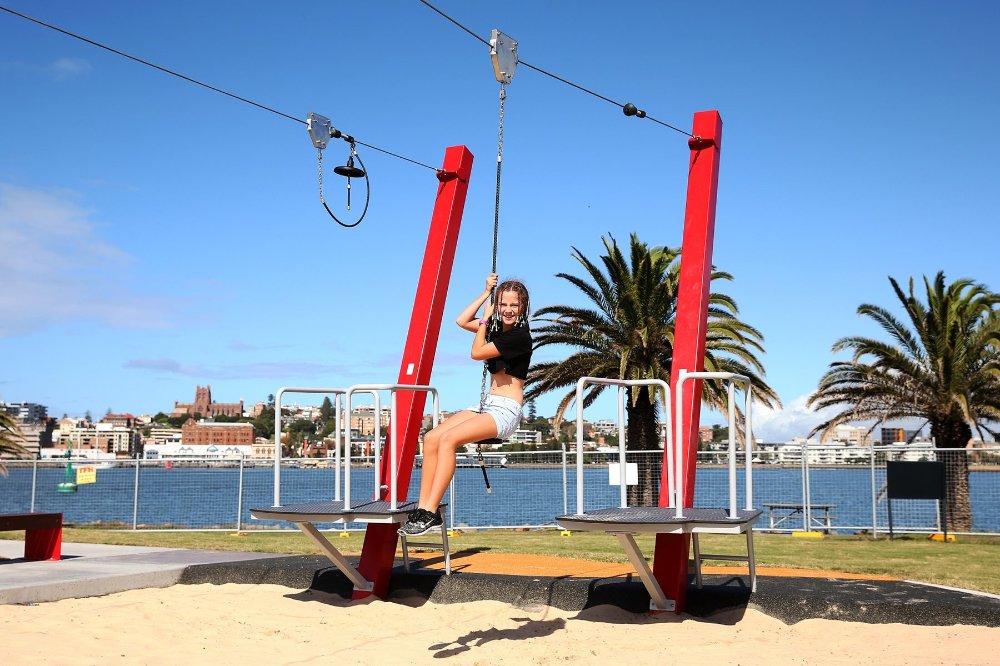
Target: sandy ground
(269, 624)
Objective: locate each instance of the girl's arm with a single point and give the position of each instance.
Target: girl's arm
(482, 350)
(468, 319)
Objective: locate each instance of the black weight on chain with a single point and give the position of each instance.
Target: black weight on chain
(348, 171)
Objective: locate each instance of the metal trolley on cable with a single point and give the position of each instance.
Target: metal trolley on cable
(624, 521)
(347, 509)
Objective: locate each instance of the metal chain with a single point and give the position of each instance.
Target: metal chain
(496, 229)
(496, 206)
(319, 156)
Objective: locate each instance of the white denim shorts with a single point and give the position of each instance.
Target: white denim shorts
(506, 412)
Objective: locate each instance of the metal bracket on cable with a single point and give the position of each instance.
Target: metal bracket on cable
(503, 53)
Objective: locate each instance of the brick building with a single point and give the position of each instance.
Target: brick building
(220, 434)
(123, 420)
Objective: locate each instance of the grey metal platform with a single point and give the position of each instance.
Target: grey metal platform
(303, 516)
(376, 511)
(623, 522)
(659, 520)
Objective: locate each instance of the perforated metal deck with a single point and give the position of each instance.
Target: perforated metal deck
(659, 520)
(624, 522)
(379, 511)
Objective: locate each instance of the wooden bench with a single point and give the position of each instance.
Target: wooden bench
(42, 533)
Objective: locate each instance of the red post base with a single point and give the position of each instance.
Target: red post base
(43, 543)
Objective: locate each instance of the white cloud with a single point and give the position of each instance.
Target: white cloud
(54, 267)
(62, 69)
(68, 68)
(795, 419)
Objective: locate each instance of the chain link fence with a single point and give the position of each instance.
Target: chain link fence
(818, 490)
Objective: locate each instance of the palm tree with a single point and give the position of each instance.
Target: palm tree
(627, 332)
(943, 366)
(10, 436)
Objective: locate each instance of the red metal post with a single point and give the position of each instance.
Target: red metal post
(379, 549)
(670, 561)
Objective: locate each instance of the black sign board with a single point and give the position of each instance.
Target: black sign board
(916, 480)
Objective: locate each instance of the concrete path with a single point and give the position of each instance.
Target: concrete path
(88, 570)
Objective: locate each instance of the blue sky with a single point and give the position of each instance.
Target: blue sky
(155, 235)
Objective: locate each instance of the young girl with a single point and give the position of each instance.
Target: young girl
(507, 356)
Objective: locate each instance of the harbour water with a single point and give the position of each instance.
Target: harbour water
(210, 497)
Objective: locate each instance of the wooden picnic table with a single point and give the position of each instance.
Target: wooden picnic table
(780, 512)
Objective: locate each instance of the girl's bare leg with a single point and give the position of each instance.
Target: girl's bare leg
(474, 429)
(431, 448)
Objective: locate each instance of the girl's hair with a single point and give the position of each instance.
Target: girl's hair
(518, 288)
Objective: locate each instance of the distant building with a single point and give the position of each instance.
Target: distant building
(889, 436)
(525, 437)
(605, 427)
(263, 448)
(705, 434)
(123, 420)
(104, 437)
(849, 435)
(196, 452)
(26, 412)
(220, 434)
(35, 437)
(159, 435)
(204, 406)
(363, 420)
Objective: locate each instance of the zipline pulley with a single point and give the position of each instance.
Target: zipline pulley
(503, 53)
(320, 132)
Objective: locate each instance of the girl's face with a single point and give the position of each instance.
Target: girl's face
(510, 307)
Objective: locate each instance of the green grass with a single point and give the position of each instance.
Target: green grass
(969, 563)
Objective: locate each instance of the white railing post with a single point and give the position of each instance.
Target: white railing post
(394, 446)
(807, 501)
(338, 423)
(802, 467)
(135, 496)
(579, 445)
(679, 458)
(34, 482)
(277, 447)
(622, 474)
(871, 460)
(668, 440)
(731, 399)
(239, 499)
(564, 480)
(748, 445)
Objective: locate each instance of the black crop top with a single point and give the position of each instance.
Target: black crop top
(514, 346)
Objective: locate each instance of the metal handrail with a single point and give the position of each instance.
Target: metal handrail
(338, 392)
(733, 379)
(621, 384)
(394, 463)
